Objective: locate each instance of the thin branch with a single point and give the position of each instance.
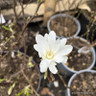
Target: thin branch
(24, 7)
(29, 83)
(65, 85)
(31, 18)
(14, 9)
(25, 26)
(21, 3)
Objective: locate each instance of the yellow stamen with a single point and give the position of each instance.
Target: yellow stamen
(49, 54)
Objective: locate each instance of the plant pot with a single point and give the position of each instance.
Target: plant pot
(76, 61)
(87, 93)
(11, 66)
(63, 26)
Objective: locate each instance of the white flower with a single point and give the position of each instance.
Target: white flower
(52, 51)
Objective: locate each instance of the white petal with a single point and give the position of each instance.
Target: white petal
(39, 50)
(44, 65)
(63, 41)
(41, 41)
(53, 68)
(52, 39)
(65, 59)
(56, 46)
(52, 35)
(46, 36)
(65, 50)
(39, 38)
(42, 45)
(60, 59)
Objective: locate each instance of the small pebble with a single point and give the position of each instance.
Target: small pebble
(75, 56)
(1, 37)
(94, 86)
(74, 87)
(83, 64)
(72, 68)
(79, 55)
(1, 44)
(56, 83)
(70, 57)
(12, 55)
(84, 83)
(67, 64)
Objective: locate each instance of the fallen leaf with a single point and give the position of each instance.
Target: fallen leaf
(85, 7)
(44, 91)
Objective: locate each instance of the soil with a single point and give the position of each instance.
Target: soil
(53, 86)
(79, 61)
(84, 84)
(63, 26)
(31, 39)
(8, 39)
(10, 67)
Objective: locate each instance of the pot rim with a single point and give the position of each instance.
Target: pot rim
(93, 53)
(71, 79)
(64, 15)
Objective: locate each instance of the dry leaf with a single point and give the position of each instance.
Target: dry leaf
(44, 91)
(85, 7)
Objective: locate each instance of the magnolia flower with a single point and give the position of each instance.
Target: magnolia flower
(51, 51)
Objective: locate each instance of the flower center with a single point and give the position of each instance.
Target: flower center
(49, 54)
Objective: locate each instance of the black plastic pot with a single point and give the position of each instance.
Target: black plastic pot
(84, 22)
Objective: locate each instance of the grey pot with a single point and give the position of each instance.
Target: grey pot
(65, 15)
(68, 93)
(69, 71)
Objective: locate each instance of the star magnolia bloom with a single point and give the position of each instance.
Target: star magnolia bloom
(52, 51)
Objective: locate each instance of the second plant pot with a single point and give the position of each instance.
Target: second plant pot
(64, 25)
(78, 61)
(82, 83)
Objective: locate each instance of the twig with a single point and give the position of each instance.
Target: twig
(62, 80)
(23, 11)
(31, 18)
(24, 8)
(92, 45)
(29, 82)
(14, 9)
(16, 74)
(25, 26)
